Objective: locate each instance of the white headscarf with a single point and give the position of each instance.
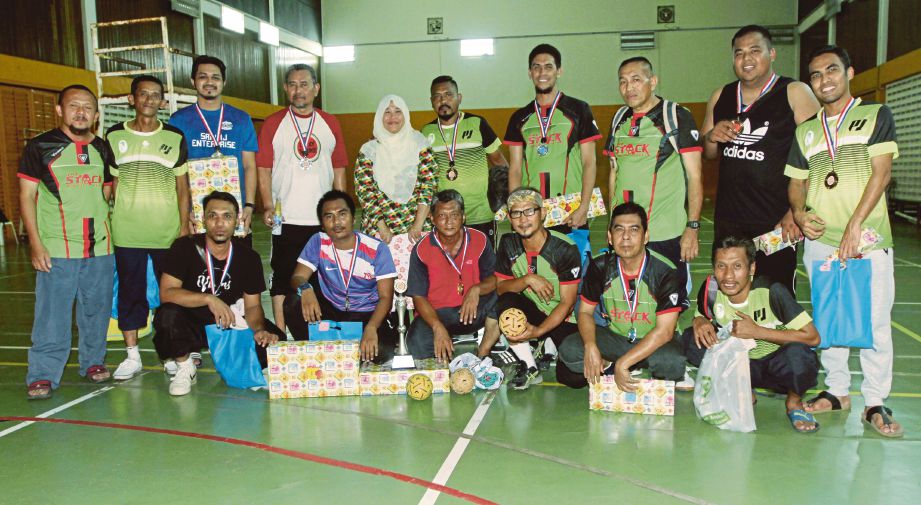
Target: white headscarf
(395, 155)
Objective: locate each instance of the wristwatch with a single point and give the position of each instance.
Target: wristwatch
(694, 225)
(303, 287)
(250, 205)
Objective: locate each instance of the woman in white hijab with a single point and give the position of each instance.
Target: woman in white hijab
(395, 175)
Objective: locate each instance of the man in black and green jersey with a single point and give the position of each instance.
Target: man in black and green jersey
(782, 359)
(654, 151)
(631, 300)
(537, 272)
(839, 166)
(552, 139)
(152, 205)
(465, 148)
(65, 185)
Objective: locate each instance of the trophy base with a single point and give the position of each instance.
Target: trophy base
(401, 362)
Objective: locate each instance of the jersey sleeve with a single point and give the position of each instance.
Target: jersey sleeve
(588, 128)
(30, 165)
(688, 134)
(248, 140)
(611, 142)
(108, 159)
(491, 141)
(513, 132)
(181, 168)
(669, 296)
(340, 158)
(704, 300)
(310, 255)
(418, 281)
(113, 169)
(569, 265)
(487, 263)
(593, 283)
(503, 262)
(176, 261)
(255, 280)
(786, 308)
(797, 164)
(383, 263)
(882, 141)
(265, 157)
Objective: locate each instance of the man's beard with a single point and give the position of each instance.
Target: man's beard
(543, 91)
(79, 132)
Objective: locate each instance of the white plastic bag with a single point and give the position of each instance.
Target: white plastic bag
(723, 394)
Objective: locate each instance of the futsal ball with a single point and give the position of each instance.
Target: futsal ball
(419, 386)
(512, 322)
(462, 381)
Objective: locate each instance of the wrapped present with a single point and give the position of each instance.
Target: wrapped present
(219, 173)
(652, 397)
(773, 241)
(381, 380)
(308, 369)
(560, 207)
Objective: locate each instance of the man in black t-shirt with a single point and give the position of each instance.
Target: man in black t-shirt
(210, 278)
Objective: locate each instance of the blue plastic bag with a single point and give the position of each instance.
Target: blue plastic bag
(234, 354)
(153, 290)
(841, 303)
(334, 330)
(580, 237)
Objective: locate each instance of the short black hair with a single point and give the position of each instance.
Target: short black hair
(829, 49)
(74, 87)
(223, 196)
(447, 196)
(732, 241)
(546, 49)
(145, 78)
(298, 67)
(442, 79)
(636, 59)
(627, 208)
(745, 30)
(208, 60)
(331, 195)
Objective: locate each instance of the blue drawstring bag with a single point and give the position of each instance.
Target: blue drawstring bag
(234, 354)
(334, 330)
(841, 303)
(580, 237)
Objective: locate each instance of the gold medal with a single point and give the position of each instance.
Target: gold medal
(460, 288)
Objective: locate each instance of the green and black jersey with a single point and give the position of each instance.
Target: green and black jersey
(558, 171)
(869, 132)
(558, 261)
(659, 291)
(475, 139)
(649, 171)
(146, 211)
(770, 305)
(72, 212)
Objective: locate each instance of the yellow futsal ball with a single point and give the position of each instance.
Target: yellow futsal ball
(419, 386)
(512, 322)
(462, 381)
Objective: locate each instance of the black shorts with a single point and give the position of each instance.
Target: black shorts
(285, 250)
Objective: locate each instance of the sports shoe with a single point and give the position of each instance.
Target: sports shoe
(196, 358)
(687, 383)
(182, 383)
(128, 369)
(545, 360)
(170, 367)
(525, 377)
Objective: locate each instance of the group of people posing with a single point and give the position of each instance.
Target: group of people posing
(812, 163)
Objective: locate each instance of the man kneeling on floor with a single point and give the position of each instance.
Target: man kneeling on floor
(356, 275)
(209, 278)
(637, 296)
(782, 359)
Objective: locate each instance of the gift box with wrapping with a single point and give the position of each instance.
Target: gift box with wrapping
(652, 396)
(213, 174)
(560, 207)
(381, 380)
(313, 369)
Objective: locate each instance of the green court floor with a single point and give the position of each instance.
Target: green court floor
(131, 443)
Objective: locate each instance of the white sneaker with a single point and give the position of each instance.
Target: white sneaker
(196, 358)
(128, 369)
(170, 367)
(182, 383)
(687, 383)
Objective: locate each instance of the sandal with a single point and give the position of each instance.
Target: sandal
(832, 399)
(802, 416)
(885, 413)
(98, 374)
(40, 390)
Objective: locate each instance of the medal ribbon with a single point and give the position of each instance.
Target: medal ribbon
(545, 123)
(448, 256)
(453, 149)
(300, 134)
(767, 87)
(210, 265)
(351, 265)
(220, 123)
(831, 143)
(634, 303)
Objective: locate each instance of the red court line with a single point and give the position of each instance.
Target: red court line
(269, 448)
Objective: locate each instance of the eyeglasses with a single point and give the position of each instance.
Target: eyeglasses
(515, 214)
(437, 97)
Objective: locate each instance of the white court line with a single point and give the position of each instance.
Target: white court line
(447, 468)
(108, 349)
(17, 292)
(907, 263)
(56, 410)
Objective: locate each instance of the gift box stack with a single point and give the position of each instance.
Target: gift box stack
(652, 396)
(381, 380)
(308, 369)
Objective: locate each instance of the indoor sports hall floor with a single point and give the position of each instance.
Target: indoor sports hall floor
(132, 443)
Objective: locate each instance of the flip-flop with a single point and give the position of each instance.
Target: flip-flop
(40, 385)
(832, 399)
(802, 416)
(885, 413)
